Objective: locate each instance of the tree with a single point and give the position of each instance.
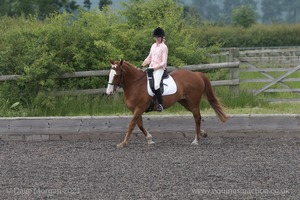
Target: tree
(272, 11)
(87, 4)
(41, 8)
(208, 10)
(230, 5)
(292, 9)
(103, 3)
(16, 7)
(213, 11)
(191, 15)
(244, 16)
(142, 16)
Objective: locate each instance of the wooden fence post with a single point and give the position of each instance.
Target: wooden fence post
(233, 72)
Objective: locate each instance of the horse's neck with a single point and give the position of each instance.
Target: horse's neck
(132, 73)
(132, 77)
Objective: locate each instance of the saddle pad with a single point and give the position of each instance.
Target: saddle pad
(169, 87)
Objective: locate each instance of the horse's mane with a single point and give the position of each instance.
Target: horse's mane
(131, 67)
(128, 63)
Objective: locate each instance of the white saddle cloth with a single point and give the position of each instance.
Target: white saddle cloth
(169, 87)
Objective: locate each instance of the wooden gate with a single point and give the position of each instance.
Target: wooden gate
(268, 64)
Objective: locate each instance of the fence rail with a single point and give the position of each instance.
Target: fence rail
(98, 73)
(236, 61)
(287, 56)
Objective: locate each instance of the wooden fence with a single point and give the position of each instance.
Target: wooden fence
(265, 56)
(233, 82)
(262, 61)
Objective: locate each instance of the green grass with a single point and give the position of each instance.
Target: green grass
(99, 105)
(267, 95)
(242, 103)
(96, 105)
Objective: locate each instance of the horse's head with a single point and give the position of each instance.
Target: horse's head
(115, 76)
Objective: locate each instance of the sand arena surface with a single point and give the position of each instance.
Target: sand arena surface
(220, 167)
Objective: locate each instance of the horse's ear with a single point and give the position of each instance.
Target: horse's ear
(111, 61)
(121, 62)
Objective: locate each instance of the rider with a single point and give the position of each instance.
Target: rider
(157, 60)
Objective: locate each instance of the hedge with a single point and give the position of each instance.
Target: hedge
(256, 36)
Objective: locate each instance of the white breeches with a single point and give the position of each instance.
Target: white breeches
(157, 75)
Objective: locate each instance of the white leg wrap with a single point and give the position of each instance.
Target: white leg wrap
(195, 142)
(149, 138)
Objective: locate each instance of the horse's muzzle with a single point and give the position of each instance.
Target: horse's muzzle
(110, 89)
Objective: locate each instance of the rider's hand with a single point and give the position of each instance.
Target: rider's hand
(150, 70)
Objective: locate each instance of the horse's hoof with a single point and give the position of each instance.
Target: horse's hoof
(121, 145)
(195, 142)
(203, 133)
(151, 142)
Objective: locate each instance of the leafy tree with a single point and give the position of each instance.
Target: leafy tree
(292, 9)
(87, 4)
(103, 3)
(41, 8)
(143, 16)
(208, 10)
(244, 16)
(213, 11)
(272, 11)
(230, 5)
(191, 15)
(16, 7)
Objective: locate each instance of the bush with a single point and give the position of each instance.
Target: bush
(256, 36)
(40, 51)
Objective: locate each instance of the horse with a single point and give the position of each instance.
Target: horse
(191, 86)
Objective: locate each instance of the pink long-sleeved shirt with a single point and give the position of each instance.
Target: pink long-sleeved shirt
(158, 56)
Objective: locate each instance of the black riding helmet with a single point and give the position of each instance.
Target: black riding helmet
(158, 32)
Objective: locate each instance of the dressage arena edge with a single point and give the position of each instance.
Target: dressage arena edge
(107, 127)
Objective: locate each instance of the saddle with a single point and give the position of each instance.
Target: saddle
(151, 80)
(151, 84)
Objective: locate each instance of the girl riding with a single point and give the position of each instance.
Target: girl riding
(157, 61)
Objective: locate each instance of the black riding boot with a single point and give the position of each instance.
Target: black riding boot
(159, 99)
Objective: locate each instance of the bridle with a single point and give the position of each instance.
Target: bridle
(122, 78)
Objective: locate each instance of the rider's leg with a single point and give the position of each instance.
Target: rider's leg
(157, 75)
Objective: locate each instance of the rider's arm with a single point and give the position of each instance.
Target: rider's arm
(149, 58)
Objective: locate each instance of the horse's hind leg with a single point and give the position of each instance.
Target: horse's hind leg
(197, 117)
(145, 132)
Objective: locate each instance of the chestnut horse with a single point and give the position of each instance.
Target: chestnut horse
(190, 88)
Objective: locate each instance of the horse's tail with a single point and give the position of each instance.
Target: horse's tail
(213, 100)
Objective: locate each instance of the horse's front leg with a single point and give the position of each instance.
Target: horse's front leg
(132, 124)
(145, 132)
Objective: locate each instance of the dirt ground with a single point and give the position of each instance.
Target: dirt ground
(220, 167)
